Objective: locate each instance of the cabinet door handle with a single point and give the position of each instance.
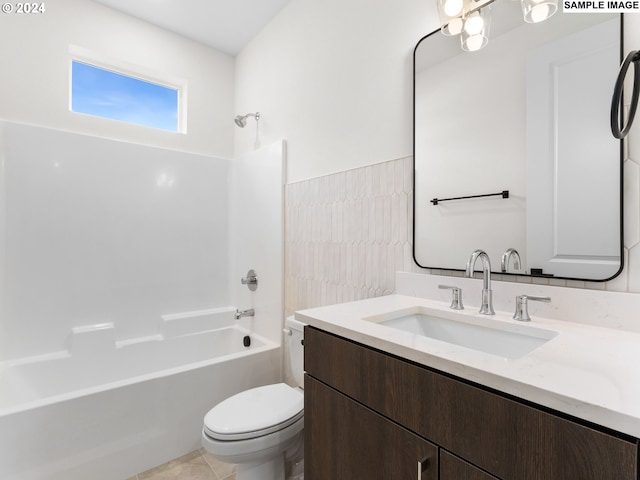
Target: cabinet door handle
(422, 467)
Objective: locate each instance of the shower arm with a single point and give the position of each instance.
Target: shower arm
(241, 120)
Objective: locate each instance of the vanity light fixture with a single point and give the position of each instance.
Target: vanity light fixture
(471, 19)
(535, 11)
(467, 18)
(451, 12)
(475, 33)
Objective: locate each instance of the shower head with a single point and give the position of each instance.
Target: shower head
(241, 120)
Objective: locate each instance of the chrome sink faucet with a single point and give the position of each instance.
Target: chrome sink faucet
(487, 300)
(506, 256)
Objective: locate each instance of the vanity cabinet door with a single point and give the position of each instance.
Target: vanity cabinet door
(453, 468)
(345, 440)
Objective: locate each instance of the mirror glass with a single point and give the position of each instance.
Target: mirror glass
(527, 115)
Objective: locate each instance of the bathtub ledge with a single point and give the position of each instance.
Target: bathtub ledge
(89, 339)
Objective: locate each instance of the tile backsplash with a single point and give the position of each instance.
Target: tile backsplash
(346, 234)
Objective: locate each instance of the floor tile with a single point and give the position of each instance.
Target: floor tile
(225, 471)
(192, 466)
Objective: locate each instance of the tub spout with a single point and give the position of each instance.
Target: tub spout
(250, 312)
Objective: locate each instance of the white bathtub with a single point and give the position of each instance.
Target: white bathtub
(106, 410)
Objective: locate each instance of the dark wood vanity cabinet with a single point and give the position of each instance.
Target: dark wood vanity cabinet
(359, 443)
(453, 468)
(369, 415)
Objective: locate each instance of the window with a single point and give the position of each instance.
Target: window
(107, 93)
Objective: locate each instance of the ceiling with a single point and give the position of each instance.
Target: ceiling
(226, 25)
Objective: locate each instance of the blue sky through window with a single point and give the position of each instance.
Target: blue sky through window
(100, 92)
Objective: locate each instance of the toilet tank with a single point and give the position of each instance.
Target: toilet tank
(294, 351)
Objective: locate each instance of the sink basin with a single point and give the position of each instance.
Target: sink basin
(482, 334)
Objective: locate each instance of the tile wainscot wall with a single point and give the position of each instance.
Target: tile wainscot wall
(346, 234)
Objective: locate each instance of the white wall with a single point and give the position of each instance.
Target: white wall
(35, 74)
(335, 79)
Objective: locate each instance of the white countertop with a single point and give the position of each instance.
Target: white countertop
(590, 372)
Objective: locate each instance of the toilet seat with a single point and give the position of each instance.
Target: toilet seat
(257, 449)
(254, 413)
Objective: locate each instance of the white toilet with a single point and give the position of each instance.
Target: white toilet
(257, 428)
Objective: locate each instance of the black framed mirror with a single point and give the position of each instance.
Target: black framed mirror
(513, 150)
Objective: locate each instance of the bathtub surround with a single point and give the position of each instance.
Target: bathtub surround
(256, 226)
(121, 240)
(117, 329)
(100, 231)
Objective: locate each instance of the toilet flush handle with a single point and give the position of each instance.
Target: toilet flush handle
(287, 331)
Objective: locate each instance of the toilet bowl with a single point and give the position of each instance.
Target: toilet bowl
(257, 428)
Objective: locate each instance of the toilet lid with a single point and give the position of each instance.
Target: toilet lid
(255, 412)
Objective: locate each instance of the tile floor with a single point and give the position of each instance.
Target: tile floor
(198, 465)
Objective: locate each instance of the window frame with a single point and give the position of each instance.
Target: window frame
(138, 72)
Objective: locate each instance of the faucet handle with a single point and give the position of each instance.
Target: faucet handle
(522, 312)
(456, 296)
(251, 280)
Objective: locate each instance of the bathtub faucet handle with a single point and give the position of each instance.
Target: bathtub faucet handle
(251, 280)
(250, 312)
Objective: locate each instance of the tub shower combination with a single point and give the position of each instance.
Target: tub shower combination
(105, 371)
(107, 410)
